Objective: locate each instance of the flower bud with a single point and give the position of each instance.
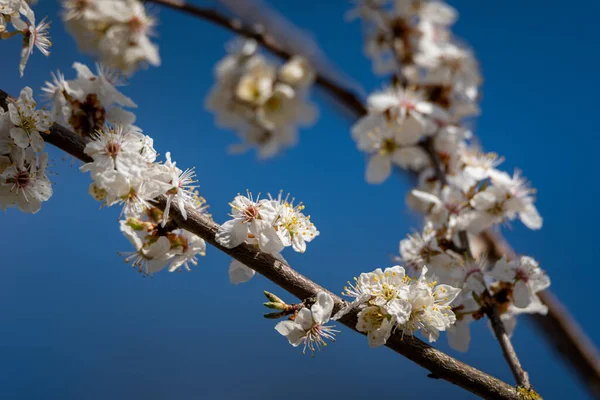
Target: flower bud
(275, 306)
(273, 298)
(276, 315)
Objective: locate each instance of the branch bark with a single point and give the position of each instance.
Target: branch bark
(441, 365)
(559, 327)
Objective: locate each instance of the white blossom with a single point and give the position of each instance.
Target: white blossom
(509, 318)
(251, 219)
(149, 257)
(396, 122)
(264, 103)
(117, 32)
(23, 179)
(293, 227)
(376, 323)
(526, 275)
(87, 103)
(25, 183)
(182, 191)
(430, 307)
(184, 249)
(35, 36)
(387, 289)
(27, 121)
(308, 327)
(117, 148)
(423, 249)
(520, 197)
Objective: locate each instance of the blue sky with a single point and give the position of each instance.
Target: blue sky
(78, 323)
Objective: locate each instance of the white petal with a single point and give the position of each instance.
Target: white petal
(269, 210)
(267, 237)
(445, 294)
(379, 168)
(298, 243)
(521, 294)
(510, 323)
(380, 336)
(304, 319)
(412, 157)
(292, 331)
(483, 200)
(531, 218)
(158, 249)
(410, 132)
(459, 336)
(231, 234)
(426, 197)
(20, 137)
(503, 270)
(321, 310)
(118, 116)
(381, 101)
(239, 273)
(400, 309)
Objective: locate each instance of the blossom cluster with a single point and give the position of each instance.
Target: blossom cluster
(264, 103)
(435, 86)
(12, 11)
(418, 123)
(125, 172)
(389, 301)
(23, 179)
(268, 224)
(513, 284)
(413, 38)
(90, 101)
(117, 32)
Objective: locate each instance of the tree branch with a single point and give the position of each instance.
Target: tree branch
(559, 328)
(440, 365)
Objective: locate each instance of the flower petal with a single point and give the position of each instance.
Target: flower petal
(231, 234)
(379, 167)
(239, 273)
(321, 310)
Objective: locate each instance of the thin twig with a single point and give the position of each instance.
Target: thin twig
(491, 310)
(508, 350)
(440, 365)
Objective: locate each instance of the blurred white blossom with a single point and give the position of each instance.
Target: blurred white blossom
(264, 103)
(117, 32)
